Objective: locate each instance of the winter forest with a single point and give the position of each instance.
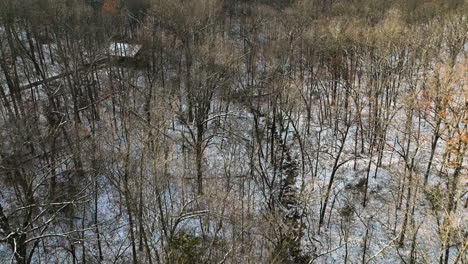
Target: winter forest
(233, 131)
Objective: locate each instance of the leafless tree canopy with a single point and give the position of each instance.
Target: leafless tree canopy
(233, 131)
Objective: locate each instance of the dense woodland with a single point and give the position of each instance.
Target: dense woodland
(261, 131)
